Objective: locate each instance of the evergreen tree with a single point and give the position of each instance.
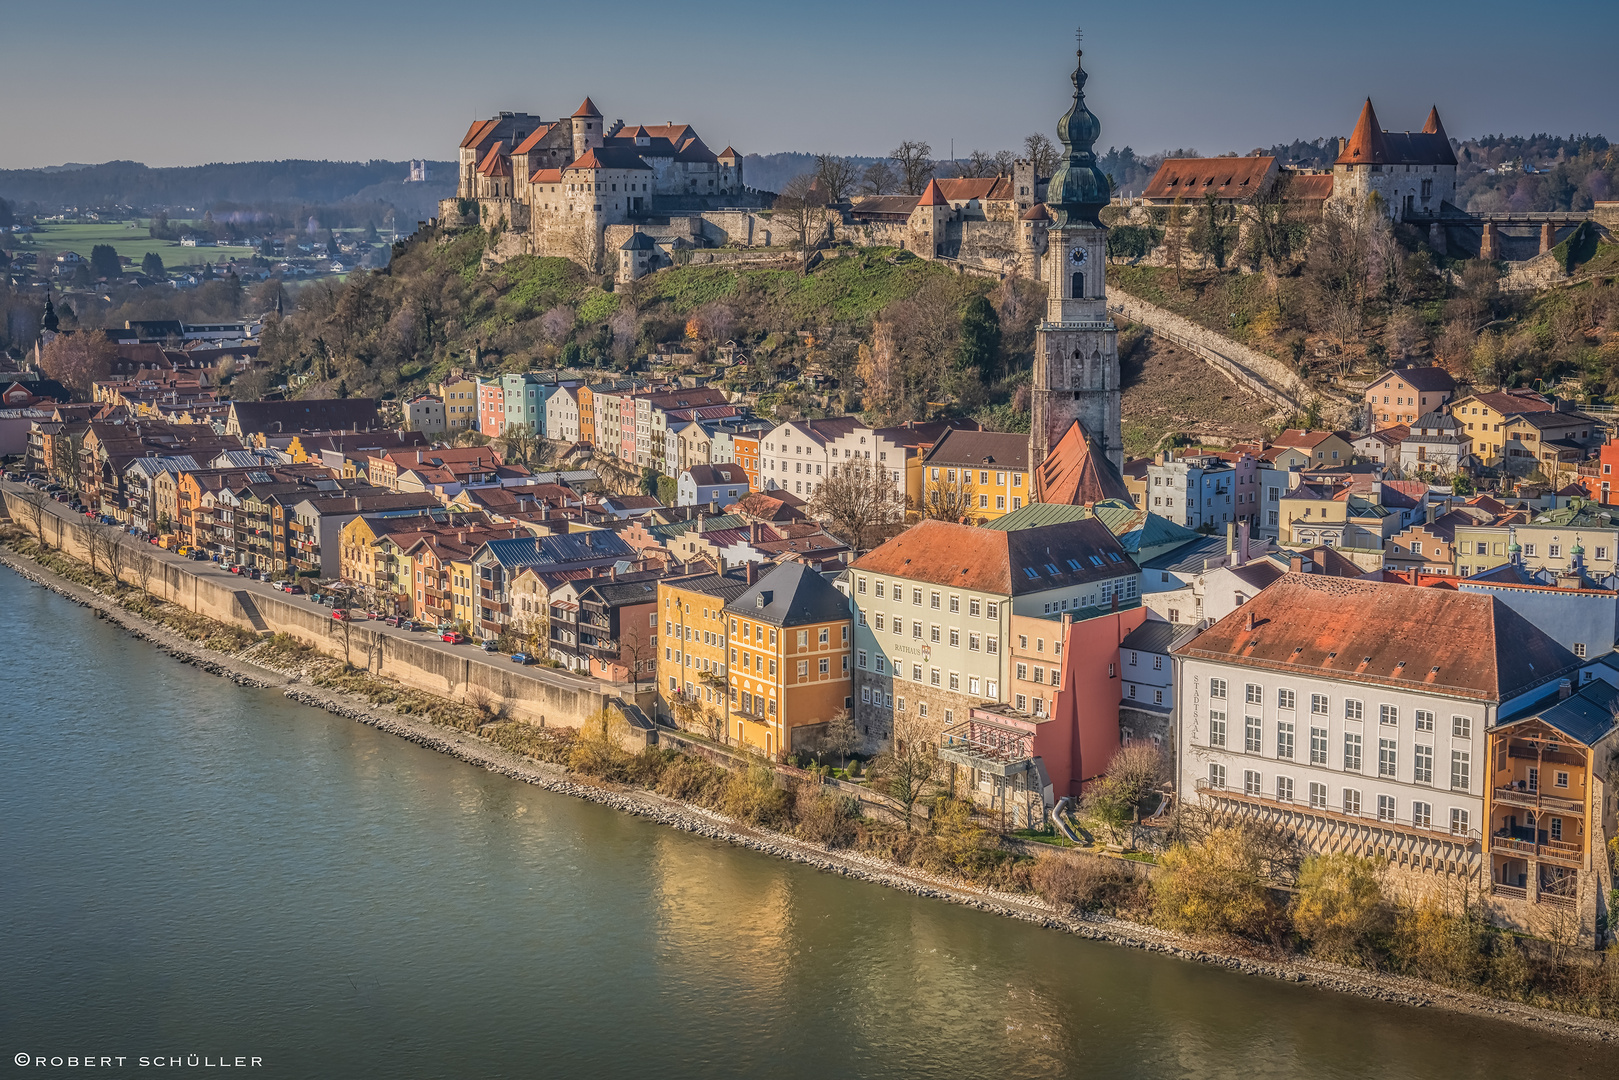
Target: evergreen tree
(104, 261)
(980, 341)
(152, 265)
(7, 218)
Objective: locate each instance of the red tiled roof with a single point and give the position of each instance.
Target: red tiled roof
(495, 163)
(729, 153)
(1307, 187)
(965, 188)
(1037, 212)
(993, 560)
(1297, 438)
(1511, 402)
(933, 196)
(1224, 178)
(1464, 644)
(1075, 474)
(587, 108)
(546, 176)
(1371, 145)
(533, 139)
(477, 131)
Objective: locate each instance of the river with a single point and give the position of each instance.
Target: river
(188, 867)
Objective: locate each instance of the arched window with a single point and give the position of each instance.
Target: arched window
(1079, 284)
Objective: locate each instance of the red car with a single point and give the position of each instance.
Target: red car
(340, 615)
(454, 638)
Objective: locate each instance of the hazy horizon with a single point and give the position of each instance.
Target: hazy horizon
(185, 83)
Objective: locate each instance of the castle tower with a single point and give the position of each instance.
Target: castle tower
(929, 220)
(587, 128)
(1076, 356)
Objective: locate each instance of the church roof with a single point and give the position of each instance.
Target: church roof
(933, 196)
(1371, 145)
(730, 153)
(587, 108)
(1076, 473)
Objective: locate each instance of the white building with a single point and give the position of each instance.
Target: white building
(562, 415)
(1354, 713)
(703, 484)
(797, 455)
(1203, 491)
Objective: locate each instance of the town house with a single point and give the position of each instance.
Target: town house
(1354, 714)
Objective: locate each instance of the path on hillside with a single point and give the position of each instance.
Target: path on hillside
(1264, 375)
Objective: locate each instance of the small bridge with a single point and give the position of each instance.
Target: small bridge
(1555, 225)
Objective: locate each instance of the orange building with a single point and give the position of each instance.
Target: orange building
(789, 659)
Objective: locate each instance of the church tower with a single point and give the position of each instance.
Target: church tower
(1076, 355)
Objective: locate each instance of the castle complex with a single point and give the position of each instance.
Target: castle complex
(626, 199)
(581, 188)
(1414, 172)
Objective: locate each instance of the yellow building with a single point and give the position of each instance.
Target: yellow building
(460, 396)
(692, 687)
(978, 475)
(1310, 515)
(789, 668)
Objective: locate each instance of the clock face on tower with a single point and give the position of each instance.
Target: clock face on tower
(1077, 256)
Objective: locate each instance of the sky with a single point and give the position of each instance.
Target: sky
(176, 82)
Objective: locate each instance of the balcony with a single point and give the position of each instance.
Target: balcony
(1510, 892)
(1536, 800)
(1539, 847)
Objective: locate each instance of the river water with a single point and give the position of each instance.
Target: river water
(188, 867)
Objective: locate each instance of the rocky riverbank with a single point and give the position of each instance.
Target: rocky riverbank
(243, 670)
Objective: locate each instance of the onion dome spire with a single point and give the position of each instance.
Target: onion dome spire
(1078, 190)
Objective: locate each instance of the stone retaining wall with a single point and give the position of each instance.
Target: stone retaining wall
(523, 694)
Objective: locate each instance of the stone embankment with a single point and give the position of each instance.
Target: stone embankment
(678, 815)
(1249, 368)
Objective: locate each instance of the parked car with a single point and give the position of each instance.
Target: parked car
(392, 620)
(489, 645)
(373, 614)
(340, 614)
(406, 624)
(454, 637)
(522, 658)
(295, 590)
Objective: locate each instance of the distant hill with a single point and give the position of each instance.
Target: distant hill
(246, 183)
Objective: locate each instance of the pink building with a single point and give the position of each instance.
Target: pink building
(491, 407)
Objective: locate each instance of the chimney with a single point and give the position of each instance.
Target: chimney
(701, 517)
(1295, 565)
(612, 572)
(1433, 509)
(1250, 622)
(1230, 541)
(752, 572)
(1242, 543)
(1564, 689)
(714, 505)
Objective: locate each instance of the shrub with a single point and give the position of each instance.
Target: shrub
(825, 818)
(1340, 908)
(753, 797)
(1217, 888)
(1088, 884)
(691, 780)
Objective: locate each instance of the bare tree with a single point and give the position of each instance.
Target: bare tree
(836, 176)
(78, 360)
(878, 179)
(32, 511)
(841, 736)
(144, 564)
(947, 498)
(800, 208)
(1042, 153)
(108, 543)
(979, 163)
(1175, 239)
(856, 498)
(911, 763)
(915, 163)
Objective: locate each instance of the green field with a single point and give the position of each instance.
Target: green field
(126, 238)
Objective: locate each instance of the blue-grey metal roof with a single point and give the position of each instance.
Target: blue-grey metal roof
(791, 595)
(1152, 636)
(560, 548)
(1586, 717)
(1190, 558)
